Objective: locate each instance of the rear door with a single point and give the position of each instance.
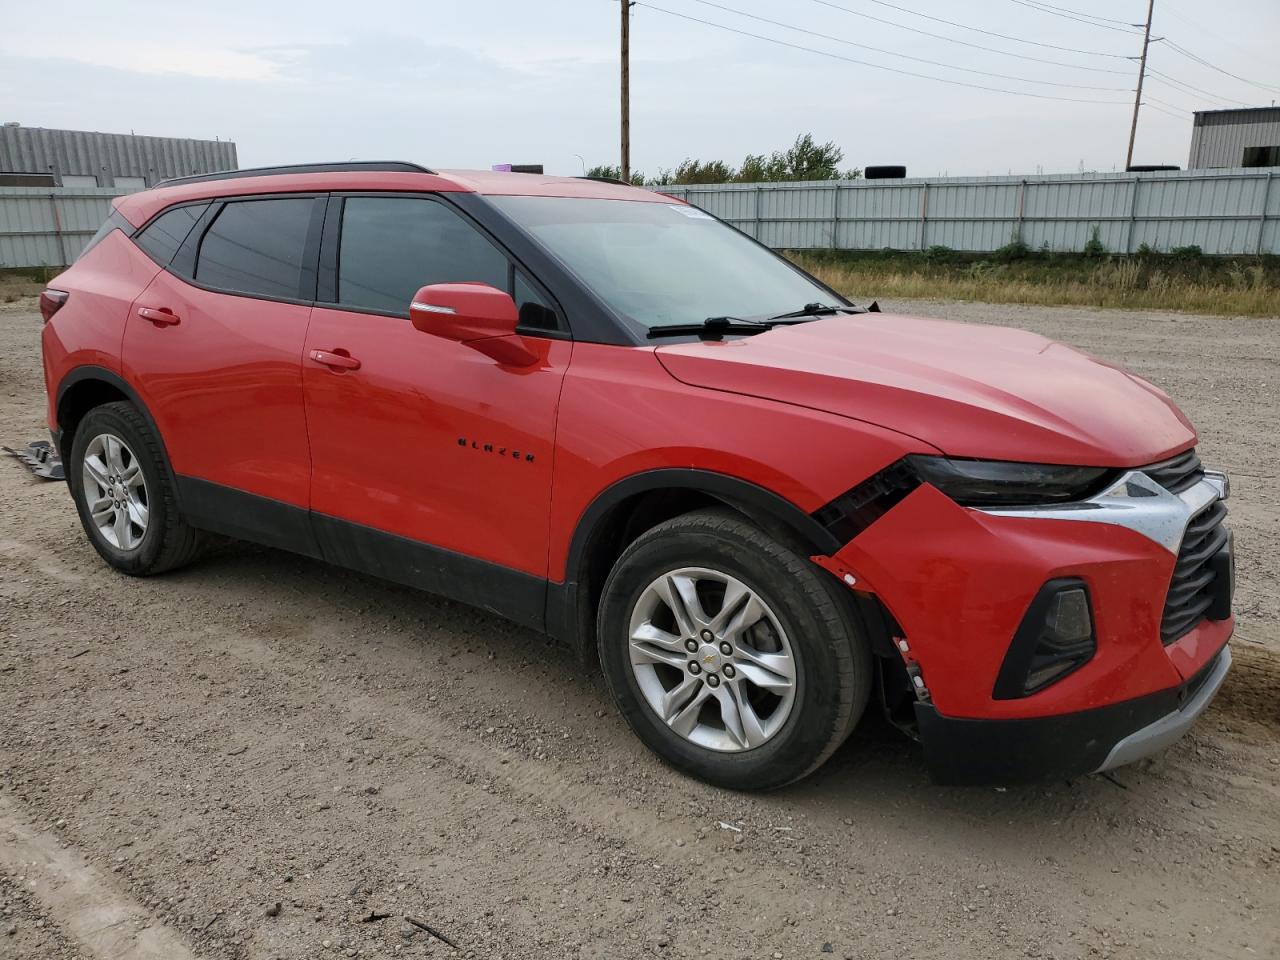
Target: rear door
(214, 345)
(431, 462)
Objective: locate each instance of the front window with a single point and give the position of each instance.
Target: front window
(662, 264)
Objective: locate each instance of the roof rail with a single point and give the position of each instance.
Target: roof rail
(351, 166)
(621, 183)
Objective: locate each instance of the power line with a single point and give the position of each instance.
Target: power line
(904, 56)
(1078, 13)
(989, 33)
(1184, 87)
(1167, 113)
(1058, 12)
(865, 63)
(1205, 63)
(1200, 28)
(1166, 103)
(974, 46)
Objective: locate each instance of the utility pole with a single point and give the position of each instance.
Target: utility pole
(625, 166)
(1142, 72)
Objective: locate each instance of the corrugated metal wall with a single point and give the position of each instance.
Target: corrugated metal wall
(1219, 138)
(1221, 211)
(43, 227)
(106, 156)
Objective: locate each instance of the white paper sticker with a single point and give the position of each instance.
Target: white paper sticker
(692, 212)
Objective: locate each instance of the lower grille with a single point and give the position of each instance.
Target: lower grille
(1198, 579)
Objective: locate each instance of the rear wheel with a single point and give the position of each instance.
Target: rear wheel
(125, 494)
(732, 656)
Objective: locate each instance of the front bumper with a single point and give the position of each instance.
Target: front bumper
(959, 581)
(970, 751)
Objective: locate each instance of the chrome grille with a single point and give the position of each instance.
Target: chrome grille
(1195, 587)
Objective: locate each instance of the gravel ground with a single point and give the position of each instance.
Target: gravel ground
(261, 729)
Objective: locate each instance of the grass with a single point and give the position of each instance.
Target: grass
(17, 283)
(1182, 280)
(13, 289)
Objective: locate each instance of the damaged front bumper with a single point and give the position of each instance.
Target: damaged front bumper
(959, 582)
(972, 751)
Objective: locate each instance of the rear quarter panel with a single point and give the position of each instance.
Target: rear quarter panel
(89, 329)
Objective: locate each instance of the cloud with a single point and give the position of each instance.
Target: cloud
(136, 56)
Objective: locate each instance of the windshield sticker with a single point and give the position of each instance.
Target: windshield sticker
(692, 212)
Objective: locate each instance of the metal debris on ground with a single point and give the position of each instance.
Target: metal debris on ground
(431, 930)
(41, 458)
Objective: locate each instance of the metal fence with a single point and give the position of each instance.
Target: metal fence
(1220, 211)
(49, 226)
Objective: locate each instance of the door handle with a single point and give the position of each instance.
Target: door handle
(334, 360)
(160, 316)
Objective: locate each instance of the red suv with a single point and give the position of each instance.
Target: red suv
(609, 416)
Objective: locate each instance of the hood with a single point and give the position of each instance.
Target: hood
(968, 390)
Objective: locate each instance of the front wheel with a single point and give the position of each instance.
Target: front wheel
(731, 656)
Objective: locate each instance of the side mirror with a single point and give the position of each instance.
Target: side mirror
(481, 316)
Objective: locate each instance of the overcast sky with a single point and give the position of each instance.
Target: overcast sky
(455, 84)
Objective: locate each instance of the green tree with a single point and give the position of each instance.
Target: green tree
(805, 159)
(757, 168)
(698, 171)
(605, 172)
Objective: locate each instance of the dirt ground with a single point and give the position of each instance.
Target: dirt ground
(183, 754)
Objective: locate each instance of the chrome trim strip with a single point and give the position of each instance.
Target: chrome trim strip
(1139, 503)
(1169, 728)
(431, 307)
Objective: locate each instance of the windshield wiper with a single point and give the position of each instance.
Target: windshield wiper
(712, 328)
(815, 310)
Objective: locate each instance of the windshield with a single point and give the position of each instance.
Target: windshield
(660, 264)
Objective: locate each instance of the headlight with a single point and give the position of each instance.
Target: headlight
(1001, 483)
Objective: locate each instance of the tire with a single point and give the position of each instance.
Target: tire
(166, 541)
(809, 628)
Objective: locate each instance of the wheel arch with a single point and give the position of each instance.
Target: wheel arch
(629, 507)
(86, 387)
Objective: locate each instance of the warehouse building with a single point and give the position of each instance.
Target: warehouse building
(1235, 138)
(36, 157)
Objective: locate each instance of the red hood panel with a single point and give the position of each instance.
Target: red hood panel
(969, 390)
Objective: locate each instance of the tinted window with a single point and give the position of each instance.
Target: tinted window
(114, 222)
(164, 235)
(256, 246)
(664, 263)
(392, 246)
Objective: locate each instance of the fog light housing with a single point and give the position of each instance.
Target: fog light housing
(1055, 638)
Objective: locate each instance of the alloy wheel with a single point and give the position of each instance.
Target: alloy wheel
(115, 491)
(712, 660)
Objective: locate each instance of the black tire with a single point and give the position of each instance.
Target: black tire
(168, 541)
(830, 646)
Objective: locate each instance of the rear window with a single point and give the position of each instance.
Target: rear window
(114, 222)
(256, 247)
(162, 237)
